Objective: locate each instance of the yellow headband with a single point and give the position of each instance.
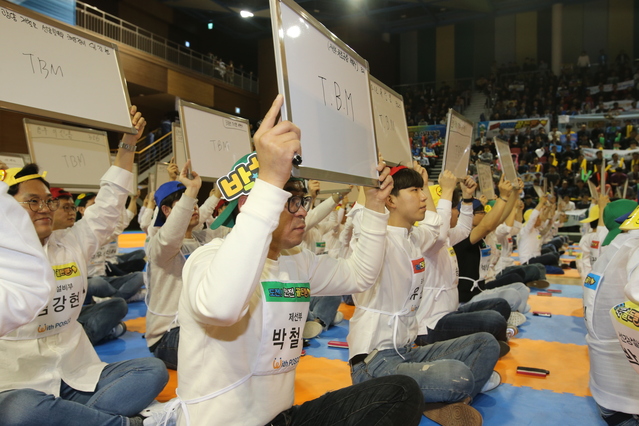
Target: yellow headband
(8, 176)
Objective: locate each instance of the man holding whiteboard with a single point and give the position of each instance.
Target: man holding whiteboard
(239, 347)
(49, 372)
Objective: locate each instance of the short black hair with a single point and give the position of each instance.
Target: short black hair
(406, 178)
(168, 201)
(29, 169)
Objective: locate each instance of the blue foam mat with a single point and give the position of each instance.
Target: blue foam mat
(558, 328)
(522, 406)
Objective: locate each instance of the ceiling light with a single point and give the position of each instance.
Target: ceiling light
(246, 14)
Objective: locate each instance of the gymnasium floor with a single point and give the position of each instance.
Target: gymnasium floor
(556, 344)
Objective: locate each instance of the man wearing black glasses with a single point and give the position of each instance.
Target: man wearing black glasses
(245, 300)
(102, 322)
(49, 372)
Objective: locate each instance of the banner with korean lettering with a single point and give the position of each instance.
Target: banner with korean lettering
(492, 128)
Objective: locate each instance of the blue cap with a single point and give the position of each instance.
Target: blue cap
(162, 192)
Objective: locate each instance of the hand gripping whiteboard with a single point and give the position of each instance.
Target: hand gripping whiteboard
(390, 124)
(459, 132)
(179, 146)
(54, 70)
(73, 157)
(214, 140)
(327, 95)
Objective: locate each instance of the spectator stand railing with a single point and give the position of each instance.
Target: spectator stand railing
(150, 154)
(93, 19)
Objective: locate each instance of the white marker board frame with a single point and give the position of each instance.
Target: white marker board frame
(214, 140)
(179, 146)
(485, 177)
(506, 160)
(12, 160)
(327, 95)
(161, 174)
(391, 128)
(54, 70)
(72, 156)
(459, 133)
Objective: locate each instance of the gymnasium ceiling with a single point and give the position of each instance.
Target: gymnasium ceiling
(385, 16)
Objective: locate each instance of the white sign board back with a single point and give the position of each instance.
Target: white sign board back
(459, 132)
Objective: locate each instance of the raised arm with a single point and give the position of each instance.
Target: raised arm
(506, 200)
(208, 274)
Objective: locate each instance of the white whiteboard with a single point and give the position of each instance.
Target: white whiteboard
(57, 71)
(12, 160)
(214, 141)
(485, 177)
(327, 95)
(161, 175)
(179, 147)
(506, 160)
(459, 132)
(390, 124)
(72, 156)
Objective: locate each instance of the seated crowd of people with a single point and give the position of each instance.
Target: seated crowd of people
(424, 339)
(533, 91)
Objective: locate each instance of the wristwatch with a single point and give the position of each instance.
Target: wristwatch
(127, 146)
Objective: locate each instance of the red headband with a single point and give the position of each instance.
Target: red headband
(395, 169)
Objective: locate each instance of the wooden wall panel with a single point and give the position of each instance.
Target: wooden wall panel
(143, 72)
(189, 88)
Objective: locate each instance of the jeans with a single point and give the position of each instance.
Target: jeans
(448, 371)
(166, 348)
(490, 315)
(515, 294)
(616, 418)
(386, 401)
(124, 389)
(532, 271)
(551, 259)
(133, 255)
(323, 308)
(125, 286)
(98, 319)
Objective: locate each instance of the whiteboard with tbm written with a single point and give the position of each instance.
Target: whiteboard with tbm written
(327, 95)
(214, 140)
(73, 157)
(459, 132)
(57, 71)
(390, 124)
